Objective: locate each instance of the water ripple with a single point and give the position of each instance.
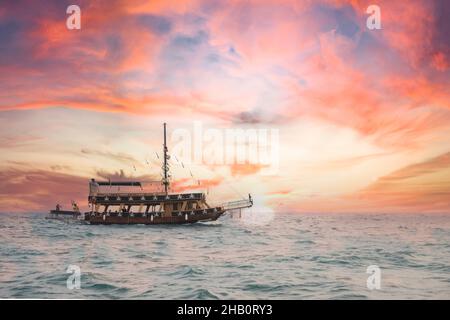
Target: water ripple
(296, 256)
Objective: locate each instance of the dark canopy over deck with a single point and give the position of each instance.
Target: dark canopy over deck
(120, 183)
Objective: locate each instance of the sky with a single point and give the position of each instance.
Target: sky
(363, 116)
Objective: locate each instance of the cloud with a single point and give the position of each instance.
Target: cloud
(423, 187)
(280, 192)
(238, 169)
(18, 141)
(40, 190)
(229, 63)
(120, 157)
(187, 184)
(440, 62)
(122, 176)
(433, 165)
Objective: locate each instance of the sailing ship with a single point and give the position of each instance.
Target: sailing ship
(133, 206)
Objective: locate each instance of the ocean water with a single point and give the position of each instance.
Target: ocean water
(260, 256)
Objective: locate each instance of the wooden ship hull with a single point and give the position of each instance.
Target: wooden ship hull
(149, 208)
(150, 219)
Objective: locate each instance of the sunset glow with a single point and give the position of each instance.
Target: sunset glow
(363, 115)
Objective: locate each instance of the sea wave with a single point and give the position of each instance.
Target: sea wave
(295, 257)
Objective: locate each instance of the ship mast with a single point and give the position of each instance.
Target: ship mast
(165, 166)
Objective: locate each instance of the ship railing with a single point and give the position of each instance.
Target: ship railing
(238, 204)
(144, 197)
(129, 194)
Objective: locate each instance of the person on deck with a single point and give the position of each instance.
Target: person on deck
(93, 188)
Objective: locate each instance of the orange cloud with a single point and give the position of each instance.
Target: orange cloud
(280, 192)
(423, 187)
(419, 91)
(187, 184)
(39, 190)
(237, 169)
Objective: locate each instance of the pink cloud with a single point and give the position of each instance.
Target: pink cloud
(237, 62)
(39, 191)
